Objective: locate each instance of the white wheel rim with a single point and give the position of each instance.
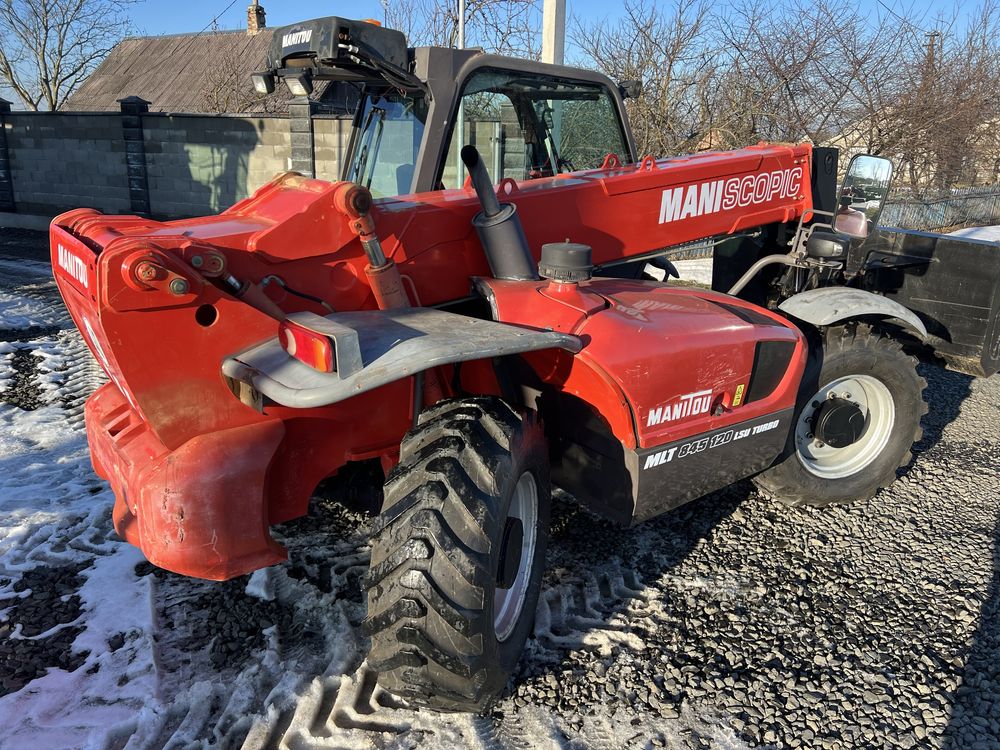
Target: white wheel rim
(508, 603)
(876, 403)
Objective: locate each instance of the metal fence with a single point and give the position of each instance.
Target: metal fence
(960, 208)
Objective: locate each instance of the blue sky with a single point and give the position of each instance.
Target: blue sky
(153, 17)
(177, 16)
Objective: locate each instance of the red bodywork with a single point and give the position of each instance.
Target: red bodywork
(699, 345)
(198, 476)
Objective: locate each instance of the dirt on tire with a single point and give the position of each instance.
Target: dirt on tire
(435, 554)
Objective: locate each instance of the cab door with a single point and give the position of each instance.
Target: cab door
(530, 120)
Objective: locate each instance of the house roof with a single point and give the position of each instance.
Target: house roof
(201, 73)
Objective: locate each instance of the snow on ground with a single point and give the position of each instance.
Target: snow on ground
(729, 623)
(100, 649)
(30, 302)
(990, 234)
(7, 350)
(697, 271)
(55, 518)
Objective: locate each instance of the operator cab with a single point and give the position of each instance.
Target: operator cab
(527, 119)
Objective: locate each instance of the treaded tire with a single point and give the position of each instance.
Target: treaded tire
(436, 550)
(855, 349)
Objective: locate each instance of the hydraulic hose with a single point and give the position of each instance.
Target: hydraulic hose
(767, 260)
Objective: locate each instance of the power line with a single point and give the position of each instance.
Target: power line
(903, 20)
(220, 15)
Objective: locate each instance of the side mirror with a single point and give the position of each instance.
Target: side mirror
(862, 195)
(630, 89)
(827, 246)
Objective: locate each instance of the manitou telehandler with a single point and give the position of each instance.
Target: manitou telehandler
(468, 306)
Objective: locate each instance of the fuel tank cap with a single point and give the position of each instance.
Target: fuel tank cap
(566, 262)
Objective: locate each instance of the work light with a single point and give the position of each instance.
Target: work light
(263, 83)
(300, 84)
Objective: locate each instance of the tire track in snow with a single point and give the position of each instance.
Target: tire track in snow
(297, 680)
(300, 679)
(729, 615)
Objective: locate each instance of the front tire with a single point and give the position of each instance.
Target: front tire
(868, 403)
(458, 554)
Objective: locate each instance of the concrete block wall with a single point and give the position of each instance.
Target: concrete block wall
(202, 165)
(60, 161)
(195, 164)
(330, 137)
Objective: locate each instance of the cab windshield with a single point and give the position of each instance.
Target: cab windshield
(389, 129)
(525, 125)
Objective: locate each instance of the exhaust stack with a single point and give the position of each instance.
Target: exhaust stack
(498, 226)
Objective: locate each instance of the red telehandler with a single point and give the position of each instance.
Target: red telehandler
(484, 337)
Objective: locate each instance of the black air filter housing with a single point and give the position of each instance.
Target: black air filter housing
(566, 261)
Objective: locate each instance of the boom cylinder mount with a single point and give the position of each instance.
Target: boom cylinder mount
(355, 202)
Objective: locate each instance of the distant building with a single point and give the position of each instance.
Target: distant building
(206, 72)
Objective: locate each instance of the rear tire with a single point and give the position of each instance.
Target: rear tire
(445, 633)
(870, 369)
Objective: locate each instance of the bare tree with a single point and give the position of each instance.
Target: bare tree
(507, 27)
(48, 47)
(950, 111)
(228, 87)
(811, 70)
(673, 54)
(837, 74)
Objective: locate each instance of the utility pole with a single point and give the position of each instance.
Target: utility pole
(553, 47)
(460, 119)
(553, 31)
(933, 41)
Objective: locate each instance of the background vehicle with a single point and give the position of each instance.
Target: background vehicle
(481, 343)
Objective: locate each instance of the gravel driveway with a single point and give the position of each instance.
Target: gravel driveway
(728, 623)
